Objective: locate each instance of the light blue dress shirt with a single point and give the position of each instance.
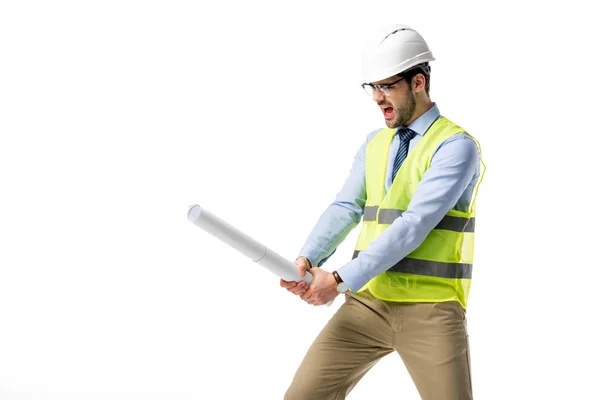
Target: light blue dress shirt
(447, 184)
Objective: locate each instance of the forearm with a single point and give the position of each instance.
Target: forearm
(331, 229)
(396, 242)
(341, 216)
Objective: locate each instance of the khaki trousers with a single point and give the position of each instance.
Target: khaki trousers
(431, 339)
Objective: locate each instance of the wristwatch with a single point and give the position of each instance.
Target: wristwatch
(342, 287)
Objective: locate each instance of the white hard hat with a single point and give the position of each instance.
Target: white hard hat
(395, 50)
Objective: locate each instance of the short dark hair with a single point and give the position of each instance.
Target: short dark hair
(422, 68)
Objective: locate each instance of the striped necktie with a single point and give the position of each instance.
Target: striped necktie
(405, 135)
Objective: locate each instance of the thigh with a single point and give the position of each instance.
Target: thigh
(434, 347)
(352, 342)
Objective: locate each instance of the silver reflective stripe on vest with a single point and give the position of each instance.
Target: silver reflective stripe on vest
(449, 223)
(389, 215)
(370, 213)
(431, 268)
(457, 224)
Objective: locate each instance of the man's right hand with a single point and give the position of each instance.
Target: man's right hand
(297, 288)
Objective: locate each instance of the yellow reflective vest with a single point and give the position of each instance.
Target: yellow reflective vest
(440, 268)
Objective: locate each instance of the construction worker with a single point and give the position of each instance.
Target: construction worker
(406, 289)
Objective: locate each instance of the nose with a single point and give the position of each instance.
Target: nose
(378, 95)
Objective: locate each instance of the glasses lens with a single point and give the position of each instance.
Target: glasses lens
(370, 89)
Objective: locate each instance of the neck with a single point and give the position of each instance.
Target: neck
(422, 107)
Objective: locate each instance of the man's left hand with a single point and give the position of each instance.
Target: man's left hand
(322, 289)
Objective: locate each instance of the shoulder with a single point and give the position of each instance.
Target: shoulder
(372, 134)
(369, 138)
(461, 140)
(458, 151)
(462, 143)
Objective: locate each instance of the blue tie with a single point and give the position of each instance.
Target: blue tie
(405, 135)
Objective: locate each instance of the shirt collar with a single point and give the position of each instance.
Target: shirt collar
(421, 124)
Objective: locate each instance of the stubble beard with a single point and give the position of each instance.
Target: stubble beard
(405, 112)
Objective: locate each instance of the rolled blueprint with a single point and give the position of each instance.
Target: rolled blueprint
(257, 252)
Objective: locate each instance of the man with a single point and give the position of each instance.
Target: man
(406, 289)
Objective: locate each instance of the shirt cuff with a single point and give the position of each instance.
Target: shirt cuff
(352, 275)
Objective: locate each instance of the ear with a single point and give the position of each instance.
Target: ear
(418, 83)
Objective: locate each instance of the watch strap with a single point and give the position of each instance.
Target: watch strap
(337, 277)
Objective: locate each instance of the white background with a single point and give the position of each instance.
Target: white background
(116, 115)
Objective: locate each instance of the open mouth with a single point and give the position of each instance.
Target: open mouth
(388, 112)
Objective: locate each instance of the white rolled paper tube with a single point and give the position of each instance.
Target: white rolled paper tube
(257, 252)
